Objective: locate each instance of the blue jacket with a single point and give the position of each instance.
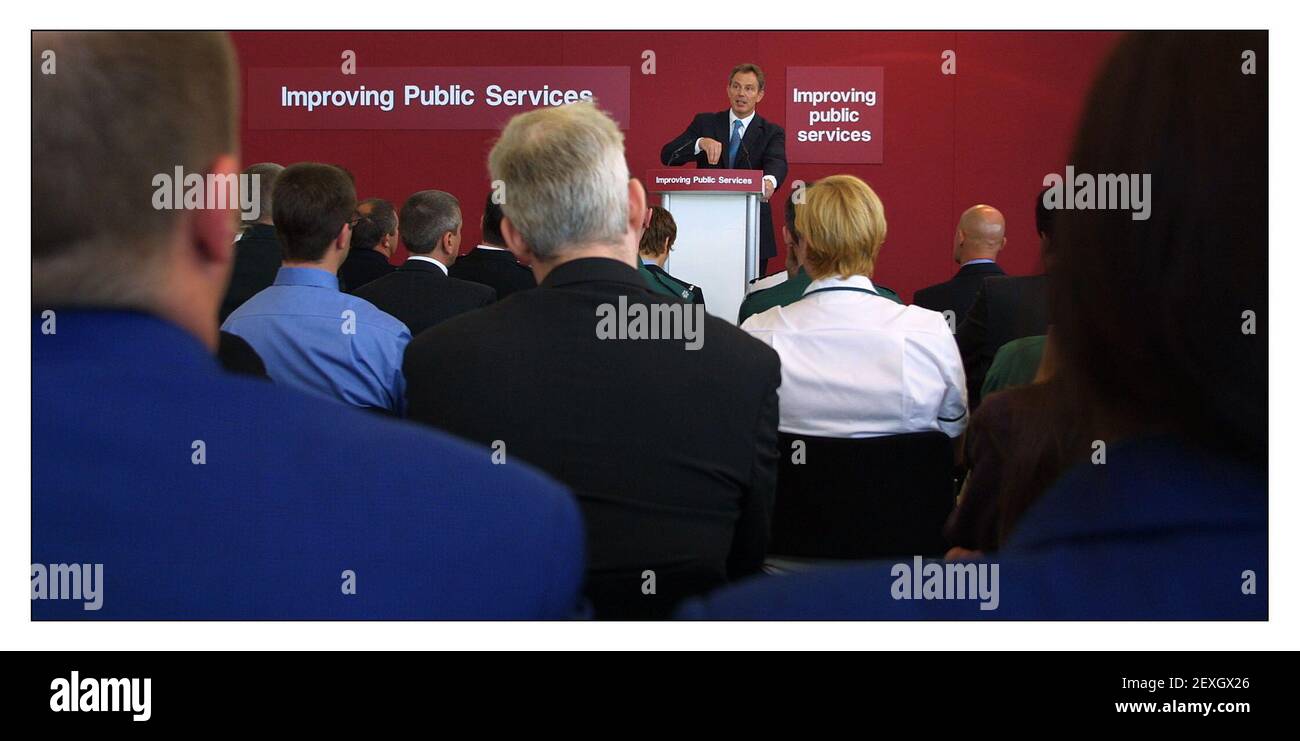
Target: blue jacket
(210, 496)
(1160, 532)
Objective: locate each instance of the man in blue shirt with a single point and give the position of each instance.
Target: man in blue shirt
(311, 335)
(164, 488)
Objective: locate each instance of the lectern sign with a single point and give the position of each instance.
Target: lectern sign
(835, 115)
(681, 179)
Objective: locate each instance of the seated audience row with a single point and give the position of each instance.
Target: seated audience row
(207, 495)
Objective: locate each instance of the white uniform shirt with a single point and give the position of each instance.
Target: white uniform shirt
(854, 364)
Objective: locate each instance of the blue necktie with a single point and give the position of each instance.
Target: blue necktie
(734, 145)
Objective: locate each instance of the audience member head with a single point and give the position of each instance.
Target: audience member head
(843, 223)
(491, 225)
(1153, 317)
(794, 244)
(266, 173)
(138, 106)
(659, 236)
(567, 190)
(1043, 225)
(314, 208)
(981, 233)
(431, 225)
(377, 227)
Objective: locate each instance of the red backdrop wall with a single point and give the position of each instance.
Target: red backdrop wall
(987, 134)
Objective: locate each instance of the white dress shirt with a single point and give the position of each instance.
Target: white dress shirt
(732, 118)
(855, 364)
(426, 258)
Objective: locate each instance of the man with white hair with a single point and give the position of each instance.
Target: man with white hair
(661, 418)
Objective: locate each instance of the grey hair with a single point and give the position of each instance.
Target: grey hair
(266, 173)
(425, 217)
(565, 178)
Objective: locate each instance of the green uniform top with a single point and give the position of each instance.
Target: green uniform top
(659, 281)
(1015, 364)
(784, 294)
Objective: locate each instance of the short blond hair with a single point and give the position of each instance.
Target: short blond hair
(843, 223)
(565, 178)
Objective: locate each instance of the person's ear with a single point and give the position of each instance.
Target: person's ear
(636, 205)
(212, 230)
(515, 241)
(759, 98)
(343, 240)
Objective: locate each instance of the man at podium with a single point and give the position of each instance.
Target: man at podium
(738, 138)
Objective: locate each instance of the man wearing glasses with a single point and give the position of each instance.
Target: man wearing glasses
(740, 139)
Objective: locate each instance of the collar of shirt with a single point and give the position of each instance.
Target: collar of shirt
(834, 281)
(429, 259)
(490, 247)
(978, 261)
(732, 118)
(311, 277)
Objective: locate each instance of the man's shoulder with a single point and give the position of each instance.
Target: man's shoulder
(372, 316)
(471, 288)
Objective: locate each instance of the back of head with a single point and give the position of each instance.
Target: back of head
(121, 110)
(565, 176)
(843, 222)
(426, 217)
(376, 219)
(312, 202)
(1151, 314)
(660, 236)
(492, 222)
(265, 174)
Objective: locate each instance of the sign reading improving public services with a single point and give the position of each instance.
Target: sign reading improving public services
(835, 115)
(425, 97)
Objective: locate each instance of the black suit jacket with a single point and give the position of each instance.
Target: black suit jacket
(958, 294)
(1005, 309)
(672, 452)
(761, 148)
(497, 269)
(361, 267)
(257, 260)
(420, 295)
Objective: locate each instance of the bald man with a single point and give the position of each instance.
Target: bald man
(981, 235)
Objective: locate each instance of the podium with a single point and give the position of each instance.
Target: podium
(717, 231)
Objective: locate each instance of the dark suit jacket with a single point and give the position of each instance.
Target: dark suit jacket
(672, 452)
(497, 269)
(420, 295)
(1005, 309)
(1163, 531)
(762, 148)
(958, 294)
(294, 492)
(362, 267)
(257, 260)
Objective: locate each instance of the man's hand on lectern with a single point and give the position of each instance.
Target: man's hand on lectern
(767, 189)
(711, 148)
